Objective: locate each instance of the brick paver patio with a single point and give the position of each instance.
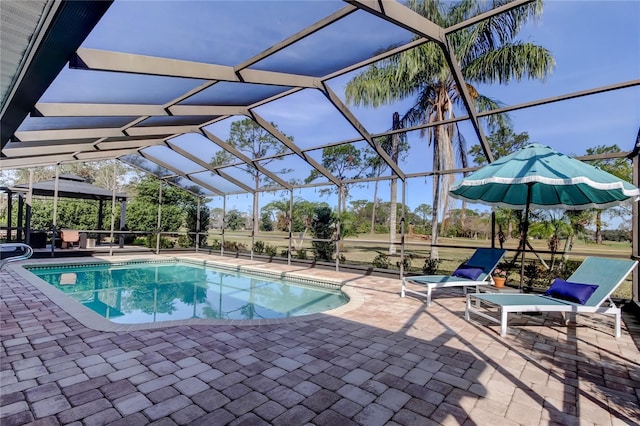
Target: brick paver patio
(385, 360)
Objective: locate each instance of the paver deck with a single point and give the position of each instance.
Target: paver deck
(381, 360)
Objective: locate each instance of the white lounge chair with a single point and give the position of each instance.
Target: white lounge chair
(602, 273)
(474, 272)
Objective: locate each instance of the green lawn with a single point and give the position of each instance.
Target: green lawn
(361, 250)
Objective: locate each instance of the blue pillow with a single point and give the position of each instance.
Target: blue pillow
(467, 271)
(573, 292)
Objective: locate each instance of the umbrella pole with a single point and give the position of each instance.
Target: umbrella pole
(524, 232)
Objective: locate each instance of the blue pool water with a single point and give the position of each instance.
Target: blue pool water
(149, 292)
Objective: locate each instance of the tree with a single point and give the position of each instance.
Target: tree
(71, 213)
(234, 220)
(620, 167)
(255, 142)
(142, 209)
(265, 222)
(278, 211)
(396, 146)
(191, 222)
(74, 214)
(552, 228)
(216, 218)
(578, 221)
(424, 211)
(506, 219)
(322, 226)
(97, 173)
(487, 53)
(393, 195)
(502, 142)
(303, 211)
(344, 162)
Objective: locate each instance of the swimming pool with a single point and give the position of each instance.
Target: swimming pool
(148, 292)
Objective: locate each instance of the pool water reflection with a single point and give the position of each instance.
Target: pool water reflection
(149, 292)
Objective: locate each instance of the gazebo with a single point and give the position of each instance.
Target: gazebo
(65, 186)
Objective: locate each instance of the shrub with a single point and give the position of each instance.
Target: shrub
(381, 261)
(363, 227)
(322, 227)
(128, 238)
(430, 266)
(406, 263)
(139, 241)
(184, 241)
(235, 246)
(165, 242)
(301, 254)
(536, 275)
(381, 229)
(270, 250)
(258, 247)
(266, 224)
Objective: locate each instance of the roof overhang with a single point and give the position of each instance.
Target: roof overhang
(48, 41)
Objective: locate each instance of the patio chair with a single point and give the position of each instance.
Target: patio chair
(69, 237)
(475, 272)
(585, 291)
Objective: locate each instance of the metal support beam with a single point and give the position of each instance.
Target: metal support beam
(402, 227)
(466, 99)
(47, 54)
(337, 230)
(635, 223)
(255, 225)
(209, 167)
(180, 173)
(130, 110)
(113, 207)
(232, 150)
(402, 16)
(293, 147)
(9, 216)
(224, 215)
(100, 220)
(66, 134)
(20, 227)
(347, 114)
(297, 37)
(123, 221)
(102, 60)
(486, 15)
(291, 227)
(29, 207)
(198, 225)
(159, 222)
(55, 210)
(135, 166)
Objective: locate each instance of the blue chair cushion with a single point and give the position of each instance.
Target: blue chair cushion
(573, 292)
(468, 271)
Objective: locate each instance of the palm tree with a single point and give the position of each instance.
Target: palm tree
(487, 53)
(396, 146)
(552, 227)
(620, 167)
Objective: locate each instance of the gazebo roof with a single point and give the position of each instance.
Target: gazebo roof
(71, 186)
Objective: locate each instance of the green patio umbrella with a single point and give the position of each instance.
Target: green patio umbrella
(539, 177)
